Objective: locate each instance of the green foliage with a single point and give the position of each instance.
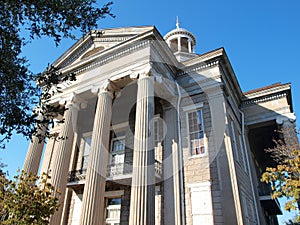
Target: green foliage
(23, 202)
(285, 177)
(56, 19)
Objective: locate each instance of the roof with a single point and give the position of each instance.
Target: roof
(263, 88)
(264, 93)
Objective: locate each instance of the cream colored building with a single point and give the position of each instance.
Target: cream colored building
(157, 134)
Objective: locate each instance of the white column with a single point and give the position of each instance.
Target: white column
(142, 201)
(62, 154)
(35, 150)
(190, 46)
(48, 153)
(93, 197)
(179, 43)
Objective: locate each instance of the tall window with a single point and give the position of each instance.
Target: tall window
(117, 156)
(113, 211)
(117, 150)
(158, 137)
(196, 132)
(86, 151)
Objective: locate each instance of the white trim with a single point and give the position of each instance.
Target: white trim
(188, 133)
(119, 126)
(113, 194)
(87, 134)
(235, 146)
(119, 152)
(200, 184)
(120, 138)
(193, 107)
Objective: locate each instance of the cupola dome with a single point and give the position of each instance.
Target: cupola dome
(180, 39)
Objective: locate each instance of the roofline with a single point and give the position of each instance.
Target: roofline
(266, 89)
(269, 90)
(86, 37)
(219, 52)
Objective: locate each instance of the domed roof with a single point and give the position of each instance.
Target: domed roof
(180, 31)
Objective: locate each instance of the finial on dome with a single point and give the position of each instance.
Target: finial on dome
(177, 22)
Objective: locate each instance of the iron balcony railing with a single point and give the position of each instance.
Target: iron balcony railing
(113, 170)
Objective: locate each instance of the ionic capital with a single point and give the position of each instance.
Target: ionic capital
(145, 72)
(105, 87)
(288, 119)
(73, 101)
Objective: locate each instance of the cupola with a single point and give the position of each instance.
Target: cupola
(180, 40)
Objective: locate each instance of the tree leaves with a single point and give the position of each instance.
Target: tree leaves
(56, 19)
(24, 202)
(285, 178)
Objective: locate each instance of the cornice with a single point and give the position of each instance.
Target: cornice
(87, 45)
(107, 35)
(204, 57)
(268, 91)
(180, 31)
(104, 59)
(201, 66)
(264, 98)
(76, 54)
(112, 39)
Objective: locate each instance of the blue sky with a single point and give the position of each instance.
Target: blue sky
(261, 39)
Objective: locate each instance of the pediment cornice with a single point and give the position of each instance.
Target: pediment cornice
(96, 38)
(100, 60)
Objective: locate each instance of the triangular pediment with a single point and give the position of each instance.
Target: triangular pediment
(98, 41)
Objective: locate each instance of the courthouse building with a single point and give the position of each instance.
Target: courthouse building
(158, 134)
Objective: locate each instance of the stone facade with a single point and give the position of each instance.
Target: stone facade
(160, 135)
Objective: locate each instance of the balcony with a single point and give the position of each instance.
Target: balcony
(271, 205)
(121, 172)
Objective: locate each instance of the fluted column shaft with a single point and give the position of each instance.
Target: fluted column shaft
(61, 157)
(93, 197)
(34, 153)
(142, 201)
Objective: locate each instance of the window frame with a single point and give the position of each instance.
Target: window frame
(82, 149)
(188, 110)
(112, 195)
(119, 138)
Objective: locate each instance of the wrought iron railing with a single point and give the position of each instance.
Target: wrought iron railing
(112, 171)
(77, 175)
(158, 167)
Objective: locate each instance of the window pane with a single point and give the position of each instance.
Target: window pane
(87, 145)
(118, 145)
(196, 133)
(114, 201)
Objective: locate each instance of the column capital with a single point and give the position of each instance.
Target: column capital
(73, 100)
(286, 119)
(146, 72)
(105, 87)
